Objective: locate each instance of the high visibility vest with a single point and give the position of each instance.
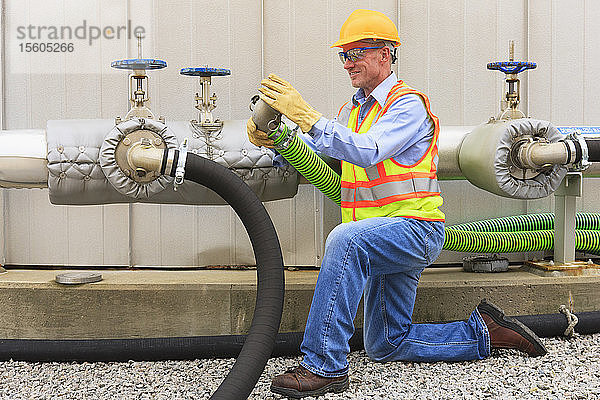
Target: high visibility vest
(390, 189)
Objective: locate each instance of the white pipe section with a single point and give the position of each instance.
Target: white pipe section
(449, 142)
(23, 162)
(23, 152)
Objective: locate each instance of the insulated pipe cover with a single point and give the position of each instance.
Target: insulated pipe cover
(484, 159)
(76, 177)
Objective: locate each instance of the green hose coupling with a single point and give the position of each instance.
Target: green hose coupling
(307, 162)
(295, 151)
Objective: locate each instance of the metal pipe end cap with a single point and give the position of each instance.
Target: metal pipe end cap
(77, 278)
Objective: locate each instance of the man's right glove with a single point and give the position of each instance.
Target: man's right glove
(258, 138)
(283, 97)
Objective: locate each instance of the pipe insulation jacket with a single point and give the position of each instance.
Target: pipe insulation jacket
(307, 163)
(520, 234)
(485, 159)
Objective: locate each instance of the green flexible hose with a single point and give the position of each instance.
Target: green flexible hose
(308, 163)
(531, 222)
(514, 242)
(520, 233)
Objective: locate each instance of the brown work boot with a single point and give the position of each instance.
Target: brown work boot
(508, 333)
(299, 382)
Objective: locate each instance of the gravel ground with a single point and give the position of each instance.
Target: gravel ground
(571, 370)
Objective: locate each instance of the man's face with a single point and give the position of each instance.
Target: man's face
(366, 73)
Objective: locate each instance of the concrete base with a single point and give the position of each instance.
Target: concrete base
(151, 303)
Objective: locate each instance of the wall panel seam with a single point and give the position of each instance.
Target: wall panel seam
(464, 63)
(584, 67)
(2, 97)
(2, 61)
(428, 46)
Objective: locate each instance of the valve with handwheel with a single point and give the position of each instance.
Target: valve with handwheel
(510, 103)
(205, 103)
(138, 82)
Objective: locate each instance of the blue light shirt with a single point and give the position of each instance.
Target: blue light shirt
(404, 132)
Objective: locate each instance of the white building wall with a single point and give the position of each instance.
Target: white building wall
(445, 48)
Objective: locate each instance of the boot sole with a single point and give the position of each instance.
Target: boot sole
(333, 387)
(497, 314)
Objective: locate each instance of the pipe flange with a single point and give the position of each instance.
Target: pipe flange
(115, 156)
(584, 163)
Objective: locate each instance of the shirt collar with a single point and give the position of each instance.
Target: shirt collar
(380, 93)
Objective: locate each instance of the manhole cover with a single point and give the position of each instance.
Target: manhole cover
(76, 278)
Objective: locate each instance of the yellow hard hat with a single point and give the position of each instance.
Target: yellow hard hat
(367, 24)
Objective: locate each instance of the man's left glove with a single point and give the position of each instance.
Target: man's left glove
(282, 96)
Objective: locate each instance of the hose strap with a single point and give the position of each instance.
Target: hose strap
(572, 320)
(180, 171)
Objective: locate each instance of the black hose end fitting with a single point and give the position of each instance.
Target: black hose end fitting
(593, 146)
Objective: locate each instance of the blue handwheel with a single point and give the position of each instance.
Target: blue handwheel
(511, 67)
(139, 63)
(205, 71)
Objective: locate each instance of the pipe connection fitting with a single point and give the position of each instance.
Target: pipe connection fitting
(132, 156)
(537, 154)
(139, 155)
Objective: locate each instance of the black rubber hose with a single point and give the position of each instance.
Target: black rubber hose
(225, 346)
(259, 342)
(270, 279)
(593, 149)
(549, 325)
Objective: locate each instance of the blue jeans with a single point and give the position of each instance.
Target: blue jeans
(384, 257)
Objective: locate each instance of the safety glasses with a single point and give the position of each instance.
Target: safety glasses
(355, 54)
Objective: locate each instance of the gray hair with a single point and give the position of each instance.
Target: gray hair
(390, 45)
(386, 43)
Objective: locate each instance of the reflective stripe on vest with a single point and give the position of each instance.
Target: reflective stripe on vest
(390, 188)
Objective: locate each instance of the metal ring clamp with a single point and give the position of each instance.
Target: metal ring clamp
(180, 171)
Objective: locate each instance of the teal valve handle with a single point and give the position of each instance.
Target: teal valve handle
(511, 67)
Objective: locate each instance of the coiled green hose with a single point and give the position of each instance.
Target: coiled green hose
(307, 162)
(520, 233)
(530, 222)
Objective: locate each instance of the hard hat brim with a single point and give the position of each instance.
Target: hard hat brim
(358, 38)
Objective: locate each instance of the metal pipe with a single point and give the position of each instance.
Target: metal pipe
(23, 158)
(536, 155)
(148, 158)
(450, 140)
(23, 154)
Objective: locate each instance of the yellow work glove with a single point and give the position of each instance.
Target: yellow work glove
(282, 96)
(258, 138)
